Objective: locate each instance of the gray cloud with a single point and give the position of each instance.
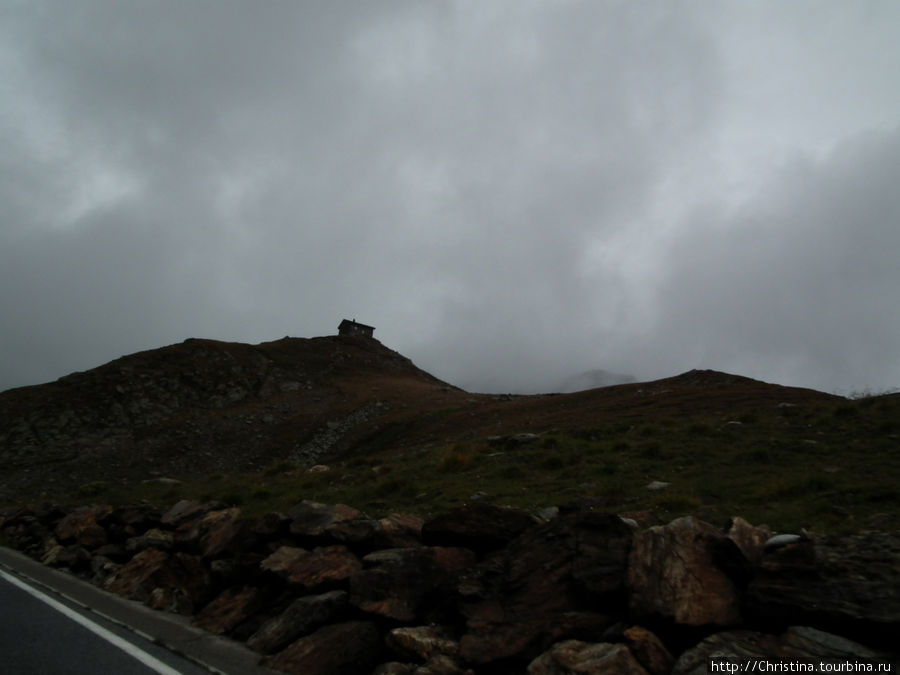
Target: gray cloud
(512, 193)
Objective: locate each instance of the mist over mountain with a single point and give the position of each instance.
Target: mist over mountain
(592, 379)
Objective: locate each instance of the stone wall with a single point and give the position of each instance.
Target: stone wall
(486, 589)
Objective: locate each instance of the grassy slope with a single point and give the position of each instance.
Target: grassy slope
(822, 463)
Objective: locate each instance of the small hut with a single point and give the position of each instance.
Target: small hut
(348, 327)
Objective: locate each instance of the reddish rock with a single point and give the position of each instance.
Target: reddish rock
(82, 527)
(221, 532)
(229, 609)
(182, 579)
(801, 646)
(401, 530)
(567, 574)
(479, 526)
(649, 651)
(313, 570)
(310, 520)
(751, 540)
(407, 584)
(673, 574)
(300, 618)
(421, 642)
(184, 511)
(352, 648)
(575, 656)
(845, 584)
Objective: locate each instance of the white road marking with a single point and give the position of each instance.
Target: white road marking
(133, 651)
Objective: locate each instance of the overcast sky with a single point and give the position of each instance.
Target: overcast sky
(510, 191)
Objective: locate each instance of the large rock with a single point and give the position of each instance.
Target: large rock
(675, 574)
(421, 643)
(562, 579)
(573, 656)
(212, 533)
(230, 608)
(179, 582)
(152, 538)
(323, 568)
(849, 585)
(401, 530)
(798, 645)
(222, 532)
(83, 527)
(311, 520)
(351, 648)
(649, 650)
(131, 520)
(751, 540)
(301, 617)
(479, 526)
(185, 511)
(410, 584)
(74, 557)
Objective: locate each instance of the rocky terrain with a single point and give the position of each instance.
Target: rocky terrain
(203, 406)
(609, 582)
(326, 590)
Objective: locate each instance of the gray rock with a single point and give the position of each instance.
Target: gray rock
(301, 617)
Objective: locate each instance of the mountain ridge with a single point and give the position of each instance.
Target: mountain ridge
(205, 406)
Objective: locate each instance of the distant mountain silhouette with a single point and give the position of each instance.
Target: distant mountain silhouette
(592, 379)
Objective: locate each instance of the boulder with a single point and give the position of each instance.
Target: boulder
(479, 526)
(230, 608)
(573, 656)
(213, 532)
(562, 579)
(410, 584)
(844, 584)
(351, 648)
(153, 538)
(74, 557)
(222, 532)
(751, 540)
(649, 650)
(131, 520)
(421, 643)
(401, 530)
(301, 617)
(183, 512)
(311, 520)
(270, 526)
(675, 574)
(178, 581)
(82, 526)
(322, 568)
(797, 645)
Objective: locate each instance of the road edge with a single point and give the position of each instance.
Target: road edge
(172, 631)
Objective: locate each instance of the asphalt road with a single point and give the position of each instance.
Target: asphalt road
(52, 623)
(47, 635)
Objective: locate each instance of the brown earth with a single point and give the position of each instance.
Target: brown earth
(204, 406)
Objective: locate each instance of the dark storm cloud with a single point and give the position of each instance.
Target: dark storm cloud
(511, 192)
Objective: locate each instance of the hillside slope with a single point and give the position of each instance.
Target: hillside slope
(197, 407)
(243, 423)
